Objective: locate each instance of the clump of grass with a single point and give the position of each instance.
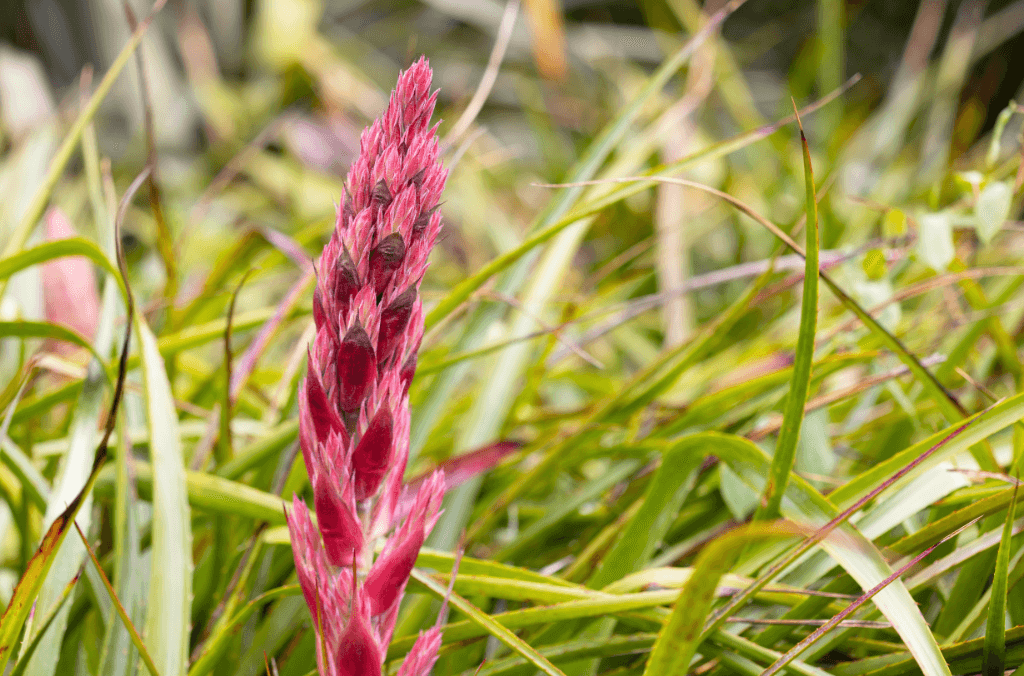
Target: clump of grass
(771, 477)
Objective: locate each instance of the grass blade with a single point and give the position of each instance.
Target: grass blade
(31, 329)
(644, 532)
(72, 246)
(168, 614)
(994, 657)
(39, 565)
(789, 433)
(136, 639)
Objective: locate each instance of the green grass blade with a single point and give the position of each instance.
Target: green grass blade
(168, 613)
(122, 613)
(31, 581)
(644, 533)
(978, 428)
(32, 329)
(72, 246)
(71, 554)
(35, 485)
(994, 659)
(486, 622)
(789, 433)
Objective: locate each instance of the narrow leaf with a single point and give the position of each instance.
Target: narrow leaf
(789, 434)
(994, 660)
(168, 614)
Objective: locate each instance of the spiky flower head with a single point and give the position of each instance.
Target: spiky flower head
(353, 404)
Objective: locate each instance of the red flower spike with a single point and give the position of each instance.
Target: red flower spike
(372, 457)
(353, 404)
(385, 258)
(319, 313)
(357, 368)
(393, 322)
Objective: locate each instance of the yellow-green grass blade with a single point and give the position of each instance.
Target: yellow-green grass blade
(168, 611)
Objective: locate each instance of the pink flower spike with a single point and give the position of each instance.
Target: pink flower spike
(69, 286)
(322, 416)
(354, 404)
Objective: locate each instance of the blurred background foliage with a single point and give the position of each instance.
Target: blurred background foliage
(256, 112)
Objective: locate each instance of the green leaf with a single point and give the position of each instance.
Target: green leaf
(206, 492)
(72, 246)
(975, 429)
(44, 625)
(68, 561)
(793, 416)
(994, 660)
(643, 534)
(31, 329)
(874, 265)
(168, 613)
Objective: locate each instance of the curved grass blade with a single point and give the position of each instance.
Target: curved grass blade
(168, 612)
(789, 433)
(30, 649)
(994, 657)
(39, 329)
(122, 613)
(679, 639)
(485, 621)
(72, 246)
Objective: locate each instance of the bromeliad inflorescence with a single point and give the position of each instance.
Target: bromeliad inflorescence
(353, 404)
